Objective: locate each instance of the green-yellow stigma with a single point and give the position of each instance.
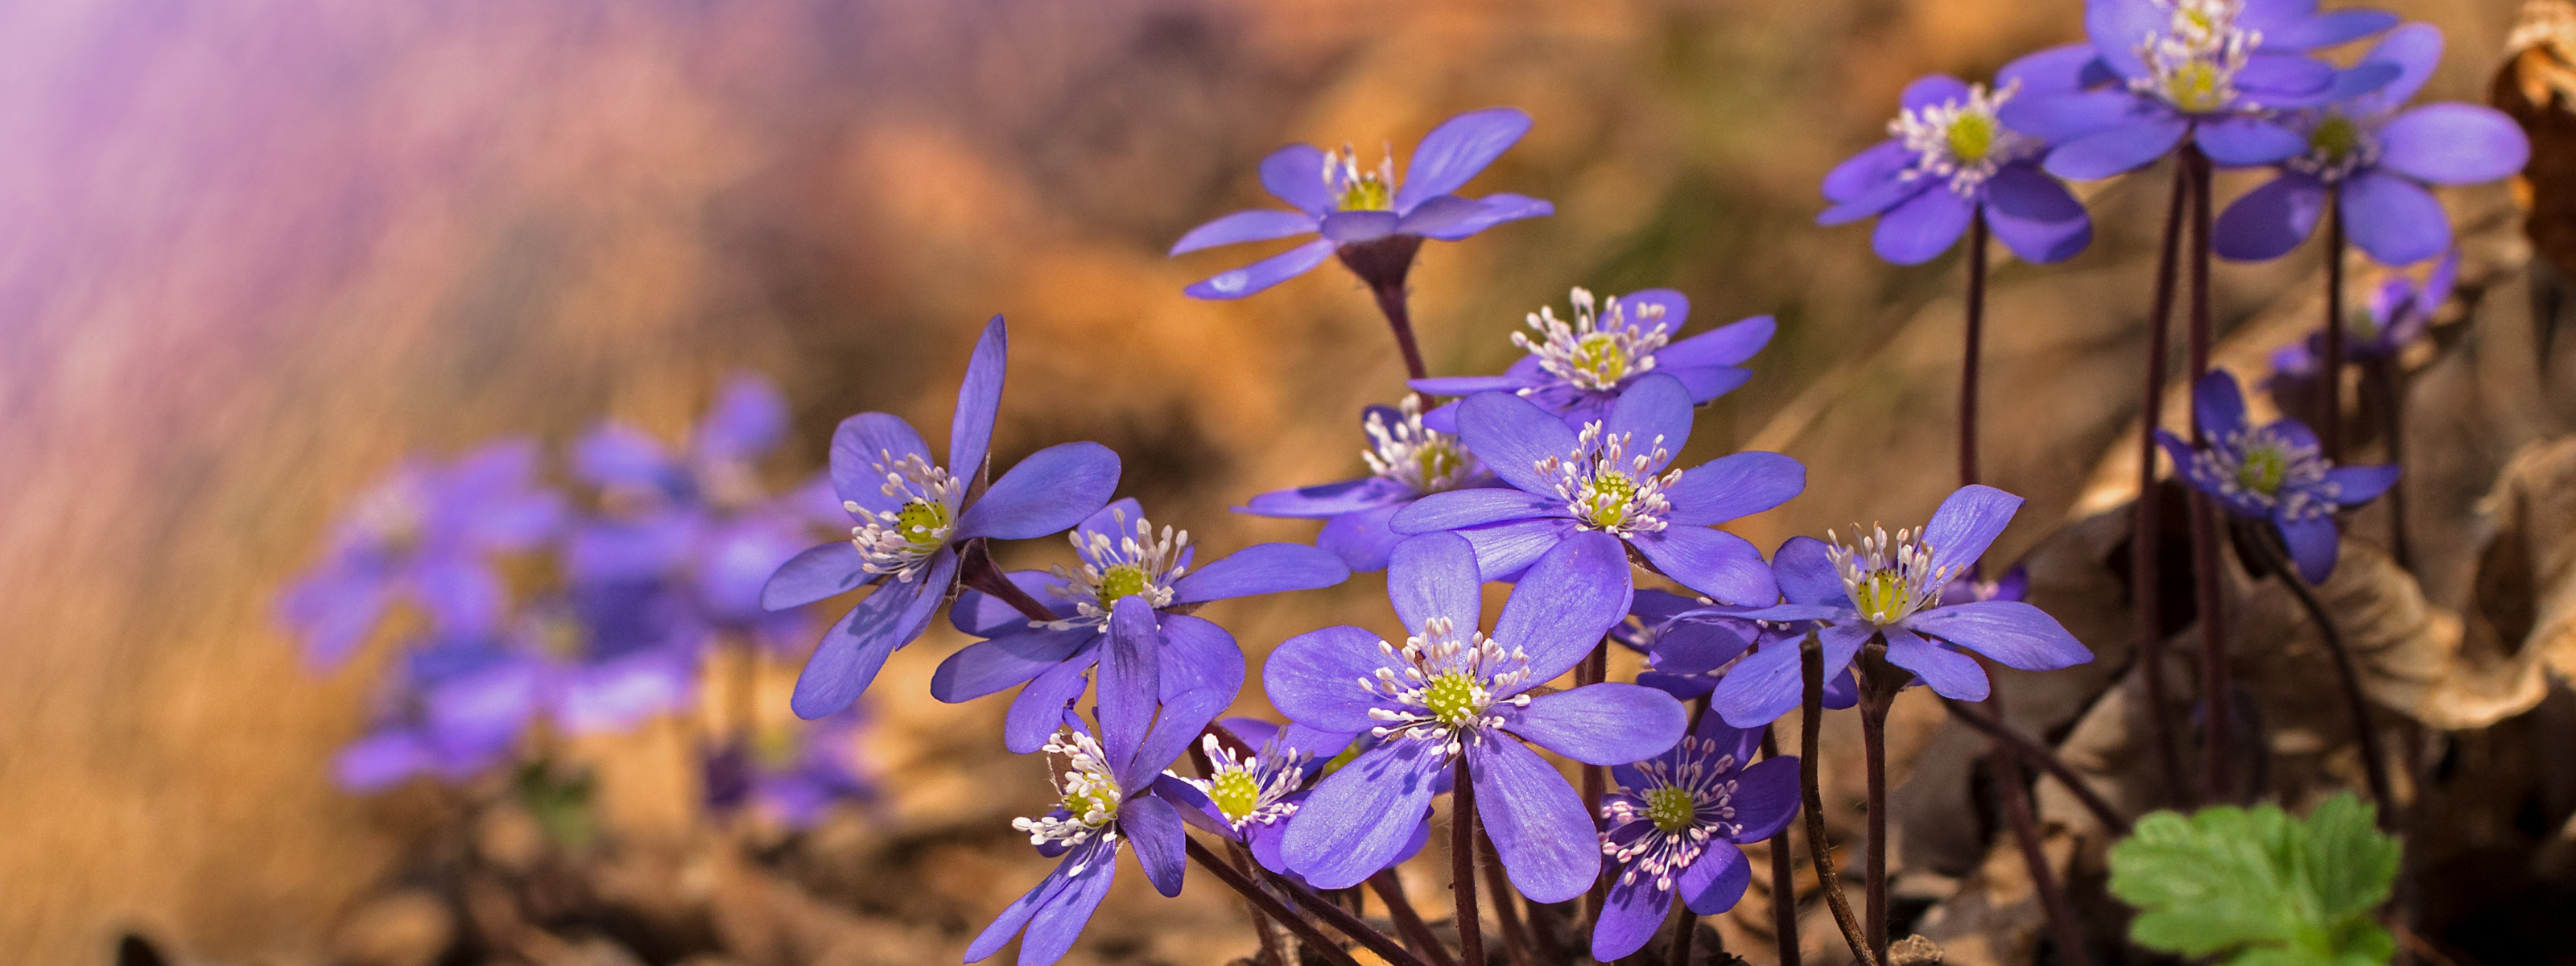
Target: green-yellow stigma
(1971, 135)
(1453, 699)
(1672, 809)
(2194, 87)
(2263, 469)
(1437, 460)
(1609, 504)
(1601, 355)
(1368, 192)
(2334, 139)
(923, 524)
(1883, 597)
(1082, 805)
(1235, 795)
(1123, 580)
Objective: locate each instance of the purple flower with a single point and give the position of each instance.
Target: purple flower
(455, 710)
(1894, 589)
(1673, 824)
(1406, 462)
(2366, 155)
(914, 517)
(1610, 477)
(628, 651)
(1102, 787)
(427, 533)
(2163, 70)
(1449, 691)
(1249, 798)
(1123, 557)
(1967, 589)
(1348, 206)
(2271, 472)
(1949, 154)
(1576, 371)
(2397, 314)
(793, 777)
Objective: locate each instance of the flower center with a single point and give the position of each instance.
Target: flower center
(1247, 790)
(1427, 460)
(1961, 140)
(900, 542)
(2193, 63)
(1888, 580)
(2266, 470)
(1672, 809)
(1087, 790)
(2262, 470)
(1606, 489)
(1443, 686)
(2337, 145)
(1357, 190)
(1234, 794)
(1600, 348)
(1139, 563)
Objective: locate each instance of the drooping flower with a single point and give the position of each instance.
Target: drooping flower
(428, 534)
(1673, 824)
(2272, 472)
(1894, 588)
(1103, 806)
(1610, 477)
(1449, 691)
(2372, 157)
(1349, 206)
(914, 518)
(1406, 462)
(794, 776)
(1123, 558)
(2398, 312)
(1578, 369)
(2160, 71)
(1949, 155)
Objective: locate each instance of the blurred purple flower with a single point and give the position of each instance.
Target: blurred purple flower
(1122, 558)
(1577, 371)
(1672, 827)
(795, 777)
(1349, 206)
(1450, 691)
(426, 533)
(2396, 315)
(1896, 589)
(915, 517)
(1947, 155)
(455, 709)
(2273, 473)
(1406, 462)
(2373, 160)
(1610, 477)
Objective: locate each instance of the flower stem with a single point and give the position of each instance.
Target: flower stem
(1262, 927)
(2215, 688)
(1784, 885)
(2038, 754)
(1383, 266)
(1462, 863)
(1685, 928)
(1506, 904)
(1344, 920)
(1879, 688)
(975, 569)
(2330, 416)
(1306, 932)
(2374, 763)
(1973, 347)
(1811, 717)
(2025, 828)
(2381, 375)
(1408, 923)
(1594, 670)
(2146, 575)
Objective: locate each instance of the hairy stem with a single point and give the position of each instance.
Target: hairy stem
(1306, 932)
(2038, 754)
(1811, 660)
(1344, 920)
(1876, 696)
(1594, 670)
(1262, 927)
(1973, 348)
(2374, 763)
(1784, 885)
(1408, 923)
(1506, 903)
(2145, 569)
(2215, 688)
(975, 569)
(1383, 266)
(2382, 377)
(2330, 416)
(2025, 829)
(1462, 863)
(1685, 928)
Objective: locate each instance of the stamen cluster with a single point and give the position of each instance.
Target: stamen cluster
(900, 541)
(2193, 65)
(1248, 790)
(1357, 190)
(1090, 794)
(1139, 563)
(1446, 690)
(2261, 468)
(1888, 580)
(1660, 829)
(1606, 489)
(1962, 140)
(1425, 459)
(2338, 145)
(1599, 349)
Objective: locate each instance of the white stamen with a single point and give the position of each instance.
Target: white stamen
(1598, 351)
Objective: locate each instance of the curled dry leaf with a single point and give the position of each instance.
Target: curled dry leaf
(2524, 603)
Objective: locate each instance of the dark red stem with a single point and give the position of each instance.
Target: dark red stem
(2146, 569)
(1784, 883)
(2215, 689)
(1974, 347)
(1462, 864)
(1408, 923)
(1269, 904)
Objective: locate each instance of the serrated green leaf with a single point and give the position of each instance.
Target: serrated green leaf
(2258, 888)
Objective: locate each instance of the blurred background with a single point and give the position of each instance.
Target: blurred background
(252, 254)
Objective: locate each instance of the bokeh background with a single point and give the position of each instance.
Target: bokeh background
(253, 253)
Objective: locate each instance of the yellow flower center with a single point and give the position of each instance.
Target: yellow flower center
(1235, 795)
(1601, 355)
(1971, 135)
(1123, 580)
(2335, 138)
(1368, 192)
(1883, 597)
(1672, 809)
(1453, 699)
(1607, 505)
(2263, 470)
(923, 524)
(2195, 87)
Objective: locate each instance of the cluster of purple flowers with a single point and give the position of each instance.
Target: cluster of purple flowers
(635, 588)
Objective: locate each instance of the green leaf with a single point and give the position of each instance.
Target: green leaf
(2259, 888)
